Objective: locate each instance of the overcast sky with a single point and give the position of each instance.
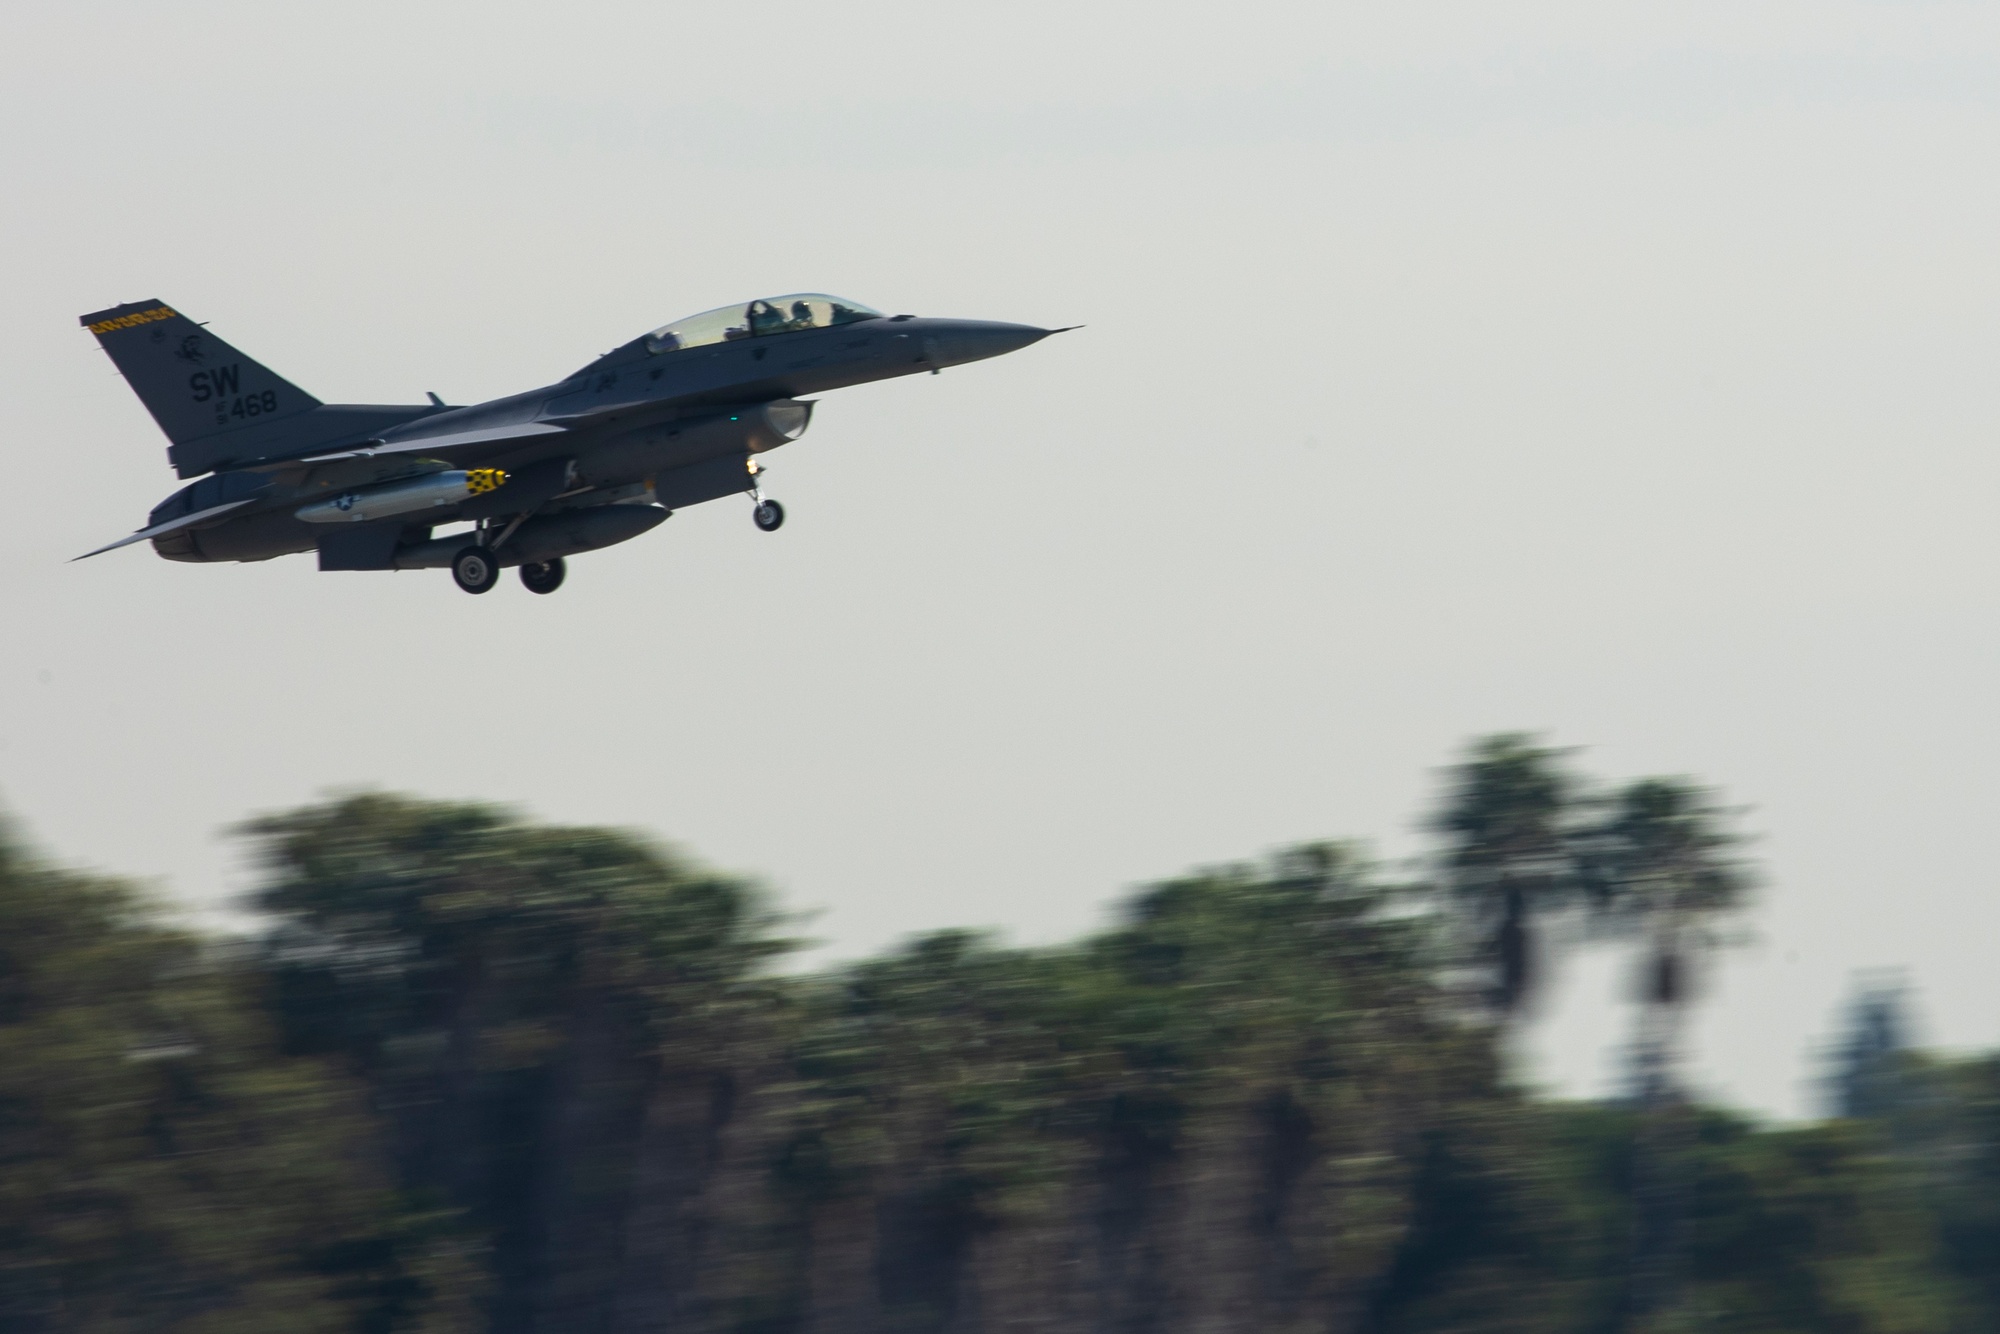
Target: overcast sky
(1619, 372)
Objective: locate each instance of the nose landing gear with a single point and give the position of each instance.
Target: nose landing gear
(768, 515)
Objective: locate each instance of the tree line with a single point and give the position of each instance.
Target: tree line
(478, 1073)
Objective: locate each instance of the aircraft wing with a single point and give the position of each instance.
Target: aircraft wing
(170, 526)
(513, 434)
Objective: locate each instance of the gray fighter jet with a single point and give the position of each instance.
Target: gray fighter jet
(673, 418)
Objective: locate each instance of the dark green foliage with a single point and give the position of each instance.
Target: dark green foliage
(1941, 1129)
(1662, 868)
(1261, 1041)
(483, 1073)
(162, 1166)
(1790, 1232)
(1511, 827)
(1807, 1230)
(514, 997)
(1870, 1078)
(1517, 1225)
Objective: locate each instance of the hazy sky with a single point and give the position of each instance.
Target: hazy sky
(1624, 373)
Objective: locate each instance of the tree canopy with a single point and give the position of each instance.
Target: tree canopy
(482, 1073)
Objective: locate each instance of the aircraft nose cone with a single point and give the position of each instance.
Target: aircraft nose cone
(959, 341)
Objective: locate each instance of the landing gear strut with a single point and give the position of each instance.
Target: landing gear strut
(476, 571)
(769, 514)
(545, 577)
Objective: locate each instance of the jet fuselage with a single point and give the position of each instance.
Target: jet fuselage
(672, 418)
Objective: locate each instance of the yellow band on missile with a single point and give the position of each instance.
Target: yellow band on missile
(481, 480)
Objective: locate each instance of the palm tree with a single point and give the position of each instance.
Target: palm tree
(1661, 868)
(1510, 859)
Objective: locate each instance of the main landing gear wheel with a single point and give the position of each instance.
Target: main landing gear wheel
(475, 570)
(769, 515)
(546, 577)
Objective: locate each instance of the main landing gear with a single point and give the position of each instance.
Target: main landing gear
(545, 577)
(476, 571)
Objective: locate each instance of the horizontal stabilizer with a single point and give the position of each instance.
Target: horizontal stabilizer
(162, 529)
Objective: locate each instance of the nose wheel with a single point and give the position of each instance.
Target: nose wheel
(545, 577)
(767, 514)
(475, 570)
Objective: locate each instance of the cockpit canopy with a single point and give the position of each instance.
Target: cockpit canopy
(758, 319)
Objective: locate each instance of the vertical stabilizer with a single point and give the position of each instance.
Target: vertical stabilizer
(198, 388)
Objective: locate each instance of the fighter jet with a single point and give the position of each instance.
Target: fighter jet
(673, 418)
